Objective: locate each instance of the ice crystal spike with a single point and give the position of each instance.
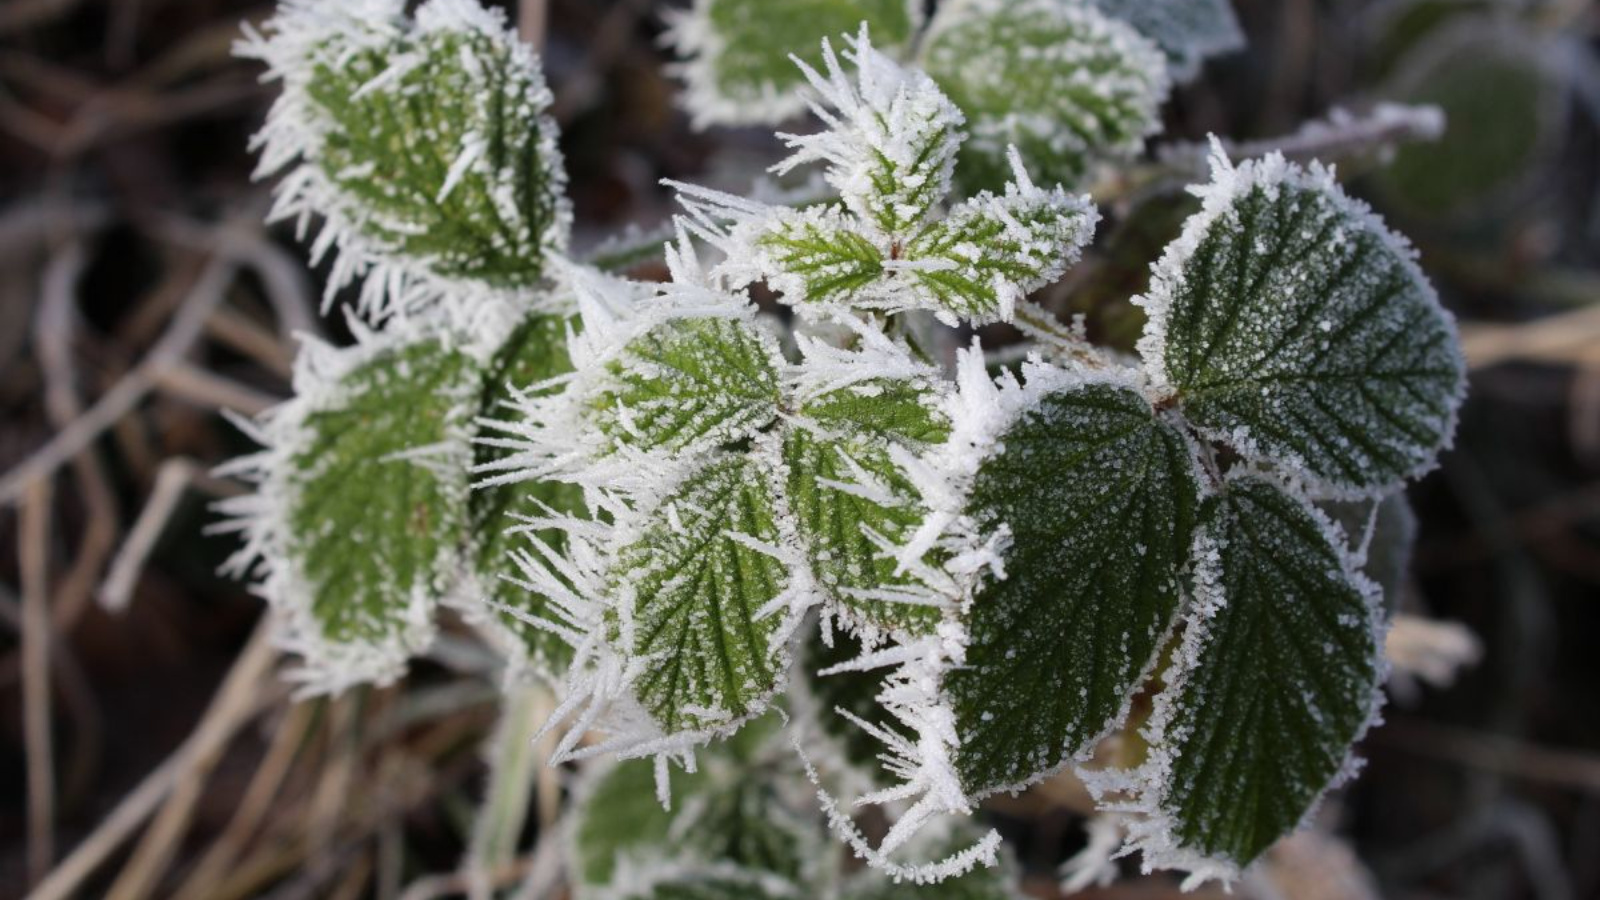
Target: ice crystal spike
(422, 146)
(850, 500)
(736, 53)
(357, 524)
(1017, 71)
(534, 354)
(1277, 674)
(1289, 322)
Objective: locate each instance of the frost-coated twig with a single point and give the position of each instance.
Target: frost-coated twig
(34, 556)
(127, 393)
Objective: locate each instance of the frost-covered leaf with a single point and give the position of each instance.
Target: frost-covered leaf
(996, 882)
(1098, 497)
(697, 590)
(889, 149)
(690, 383)
(852, 502)
(992, 251)
(730, 811)
(1190, 31)
(535, 351)
(1064, 84)
(424, 145)
(1289, 322)
(359, 520)
(853, 505)
(738, 69)
(1276, 676)
(891, 139)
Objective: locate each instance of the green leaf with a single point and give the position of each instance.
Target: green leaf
(1276, 677)
(1290, 323)
(992, 251)
(535, 351)
(1099, 497)
(1188, 30)
(899, 410)
(1065, 84)
(852, 502)
(437, 144)
(691, 383)
(695, 586)
(730, 811)
(738, 69)
(1506, 108)
(377, 493)
(838, 516)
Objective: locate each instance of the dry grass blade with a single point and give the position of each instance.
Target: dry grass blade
(1567, 338)
(37, 634)
(238, 698)
(236, 702)
(172, 480)
(117, 402)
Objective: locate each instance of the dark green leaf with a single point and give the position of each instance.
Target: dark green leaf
(1276, 677)
(1099, 497)
(1291, 324)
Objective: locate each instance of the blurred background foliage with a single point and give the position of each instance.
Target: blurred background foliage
(147, 751)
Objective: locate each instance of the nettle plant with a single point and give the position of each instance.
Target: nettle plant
(821, 537)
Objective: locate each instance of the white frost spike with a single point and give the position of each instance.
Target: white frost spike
(305, 34)
(922, 760)
(889, 123)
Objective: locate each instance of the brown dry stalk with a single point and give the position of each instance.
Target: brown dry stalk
(238, 700)
(34, 556)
